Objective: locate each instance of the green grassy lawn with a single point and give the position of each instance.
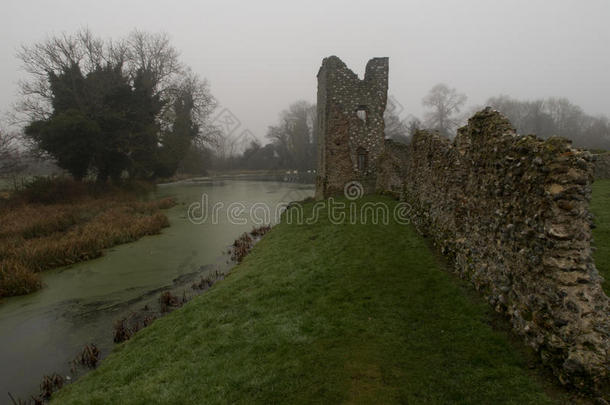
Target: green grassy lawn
(600, 206)
(325, 314)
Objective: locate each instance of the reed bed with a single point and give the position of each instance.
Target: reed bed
(35, 237)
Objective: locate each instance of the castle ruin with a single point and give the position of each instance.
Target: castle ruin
(350, 124)
(511, 212)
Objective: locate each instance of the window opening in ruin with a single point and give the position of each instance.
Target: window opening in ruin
(362, 159)
(361, 112)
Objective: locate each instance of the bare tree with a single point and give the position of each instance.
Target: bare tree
(395, 128)
(10, 161)
(555, 117)
(444, 102)
(189, 84)
(55, 55)
(152, 53)
(414, 124)
(149, 57)
(294, 137)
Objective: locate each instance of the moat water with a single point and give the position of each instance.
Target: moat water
(42, 332)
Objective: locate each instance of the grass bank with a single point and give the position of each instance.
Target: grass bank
(325, 313)
(600, 206)
(60, 222)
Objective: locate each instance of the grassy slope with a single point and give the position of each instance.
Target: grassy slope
(600, 205)
(322, 313)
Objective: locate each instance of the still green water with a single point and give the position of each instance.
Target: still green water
(42, 332)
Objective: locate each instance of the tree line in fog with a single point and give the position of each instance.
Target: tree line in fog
(129, 108)
(293, 140)
(542, 117)
(555, 117)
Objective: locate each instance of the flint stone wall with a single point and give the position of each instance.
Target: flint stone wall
(512, 213)
(392, 168)
(601, 166)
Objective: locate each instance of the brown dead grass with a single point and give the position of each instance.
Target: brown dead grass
(37, 237)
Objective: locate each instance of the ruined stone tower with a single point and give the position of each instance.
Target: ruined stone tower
(350, 125)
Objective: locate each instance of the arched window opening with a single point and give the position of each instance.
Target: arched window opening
(361, 112)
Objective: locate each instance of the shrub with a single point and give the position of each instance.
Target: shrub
(16, 279)
(49, 190)
(33, 221)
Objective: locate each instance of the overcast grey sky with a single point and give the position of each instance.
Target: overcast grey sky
(259, 56)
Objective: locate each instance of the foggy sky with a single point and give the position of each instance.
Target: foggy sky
(259, 56)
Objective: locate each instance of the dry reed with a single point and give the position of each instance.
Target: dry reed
(36, 237)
